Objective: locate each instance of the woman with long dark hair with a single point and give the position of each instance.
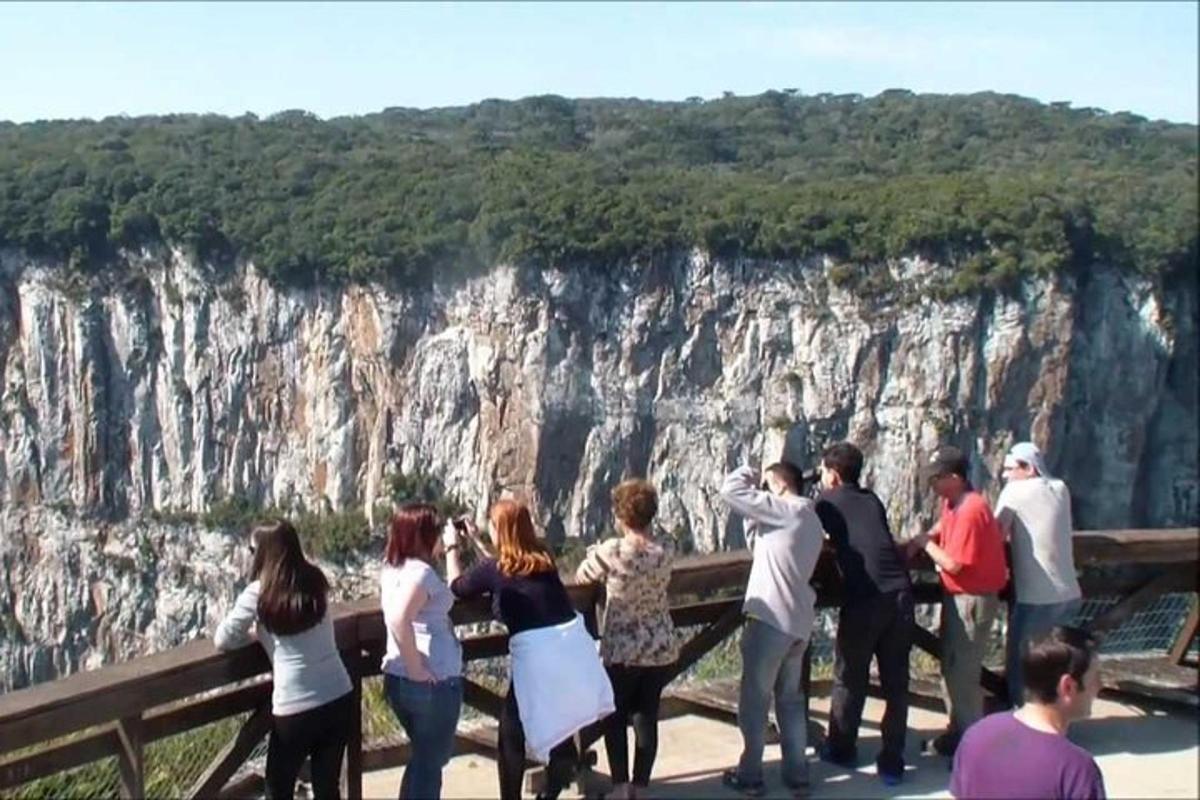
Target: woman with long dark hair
(558, 684)
(422, 669)
(286, 604)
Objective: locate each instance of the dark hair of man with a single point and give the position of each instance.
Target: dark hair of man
(789, 473)
(845, 459)
(294, 592)
(1063, 651)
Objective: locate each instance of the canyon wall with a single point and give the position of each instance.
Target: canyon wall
(170, 389)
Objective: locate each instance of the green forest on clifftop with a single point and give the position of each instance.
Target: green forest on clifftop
(997, 185)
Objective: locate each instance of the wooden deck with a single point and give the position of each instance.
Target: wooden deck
(119, 709)
(1140, 755)
(1155, 680)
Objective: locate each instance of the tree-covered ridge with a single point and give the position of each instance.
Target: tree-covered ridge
(999, 185)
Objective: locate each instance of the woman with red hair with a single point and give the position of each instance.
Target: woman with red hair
(422, 668)
(558, 683)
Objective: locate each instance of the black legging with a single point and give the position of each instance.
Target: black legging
(563, 758)
(636, 694)
(319, 733)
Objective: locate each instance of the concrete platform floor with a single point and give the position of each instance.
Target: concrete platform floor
(1141, 754)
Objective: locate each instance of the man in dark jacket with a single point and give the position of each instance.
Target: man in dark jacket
(876, 617)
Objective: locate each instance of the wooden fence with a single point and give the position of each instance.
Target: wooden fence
(117, 710)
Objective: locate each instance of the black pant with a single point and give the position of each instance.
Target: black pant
(564, 758)
(319, 733)
(879, 626)
(636, 694)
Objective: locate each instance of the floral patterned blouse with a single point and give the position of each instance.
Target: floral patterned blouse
(637, 629)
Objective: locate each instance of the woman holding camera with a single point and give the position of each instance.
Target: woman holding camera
(558, 684)
(423, 665)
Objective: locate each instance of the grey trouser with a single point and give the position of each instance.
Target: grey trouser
(772, 663)
(966, 631)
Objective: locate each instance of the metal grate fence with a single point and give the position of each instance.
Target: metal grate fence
(1150, 631)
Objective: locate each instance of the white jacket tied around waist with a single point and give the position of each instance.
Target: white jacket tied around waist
(560, 683)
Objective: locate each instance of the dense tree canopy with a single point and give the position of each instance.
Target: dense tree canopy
(998, 185)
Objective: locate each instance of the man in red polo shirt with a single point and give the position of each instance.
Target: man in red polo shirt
(968, 549)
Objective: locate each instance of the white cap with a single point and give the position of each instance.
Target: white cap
(1026, 453)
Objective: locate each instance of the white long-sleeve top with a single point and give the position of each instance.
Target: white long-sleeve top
(786, 543)
(308, 671)
(1036, 515)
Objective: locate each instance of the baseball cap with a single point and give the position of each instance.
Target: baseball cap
(1026, 453)
(946, 460)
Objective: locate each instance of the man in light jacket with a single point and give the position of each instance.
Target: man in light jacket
(779, 607)
(1034, 512)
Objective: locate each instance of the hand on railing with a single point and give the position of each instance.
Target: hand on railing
(913, 552)
(913, 547)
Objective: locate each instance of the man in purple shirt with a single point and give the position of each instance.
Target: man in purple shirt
(1026, 753)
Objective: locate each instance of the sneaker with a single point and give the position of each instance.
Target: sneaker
(591, 783)
(731, 779)
(827, 754)
(890, 770)
(799, 789)
(946, 744)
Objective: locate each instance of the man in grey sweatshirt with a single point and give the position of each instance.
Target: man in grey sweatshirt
(785, 536)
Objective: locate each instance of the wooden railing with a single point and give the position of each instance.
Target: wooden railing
(117, 710)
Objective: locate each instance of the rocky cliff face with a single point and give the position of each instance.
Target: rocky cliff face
(173, 390)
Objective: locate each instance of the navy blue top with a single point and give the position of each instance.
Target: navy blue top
(521, 603)
(867, 555)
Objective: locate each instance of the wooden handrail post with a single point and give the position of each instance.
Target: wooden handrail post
(1183, 640)
(353, 775)
(233, 755)
(131, 760)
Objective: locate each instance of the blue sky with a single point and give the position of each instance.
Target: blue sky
(92, 60)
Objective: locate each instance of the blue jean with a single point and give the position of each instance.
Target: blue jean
(772, 664)
(1027, 622)
(428, 712)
